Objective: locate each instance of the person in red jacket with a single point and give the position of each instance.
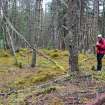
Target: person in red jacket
(100, 46)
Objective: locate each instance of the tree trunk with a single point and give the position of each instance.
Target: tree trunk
(36, 30)
(73, 23)
(103, 19)
(54, 24)
(33, 64)
(96, 16)
(5, 12)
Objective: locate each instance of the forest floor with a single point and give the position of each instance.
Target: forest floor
(47, 84)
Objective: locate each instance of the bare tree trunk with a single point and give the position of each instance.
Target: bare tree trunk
(96, 16)
(5, 11)
(29, 20)
(54, 24)
(12, 45)
(33, 64)
(13, 20)
(103, 19)
(73, 22)
(36, 25)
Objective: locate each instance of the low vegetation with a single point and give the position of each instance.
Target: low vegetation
(13, 77)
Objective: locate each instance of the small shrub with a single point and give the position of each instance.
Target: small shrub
(93, 68)
(49, 90)
(19, 64)
(54, 55)
(56, 50)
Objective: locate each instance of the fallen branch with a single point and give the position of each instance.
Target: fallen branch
(85, 59)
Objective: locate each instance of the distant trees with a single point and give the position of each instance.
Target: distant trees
(49, 28)
(54, 24)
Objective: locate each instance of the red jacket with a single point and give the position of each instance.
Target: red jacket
(100, 46)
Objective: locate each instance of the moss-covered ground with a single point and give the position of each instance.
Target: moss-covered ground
(22, 77)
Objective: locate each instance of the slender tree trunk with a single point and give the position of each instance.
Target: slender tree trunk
(5, 12)
(103, 19)
(96, 16)
(29, 20)
(12, 45)
(54, 24)
(36, 30)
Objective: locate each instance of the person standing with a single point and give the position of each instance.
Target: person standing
(100, 46)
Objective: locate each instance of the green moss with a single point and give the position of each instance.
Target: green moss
(99, 75)
(56, 50)
(23, 49)
(43, 62)
(93, 68)
(65, 53)
(4, 53)
(23, 58)
(54, 55)
(31, 80)
(48, 90)
(19, 64)
(42, 78)
(82, 57)
(7, 60)
(45, 70)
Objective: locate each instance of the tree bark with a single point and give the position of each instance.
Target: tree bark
(36, 29)
(73, 23)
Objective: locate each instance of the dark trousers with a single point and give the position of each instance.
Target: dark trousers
(99, 61)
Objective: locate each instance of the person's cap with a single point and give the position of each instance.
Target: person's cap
(99, 36)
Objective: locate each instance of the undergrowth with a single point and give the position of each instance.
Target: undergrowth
(44, 71)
